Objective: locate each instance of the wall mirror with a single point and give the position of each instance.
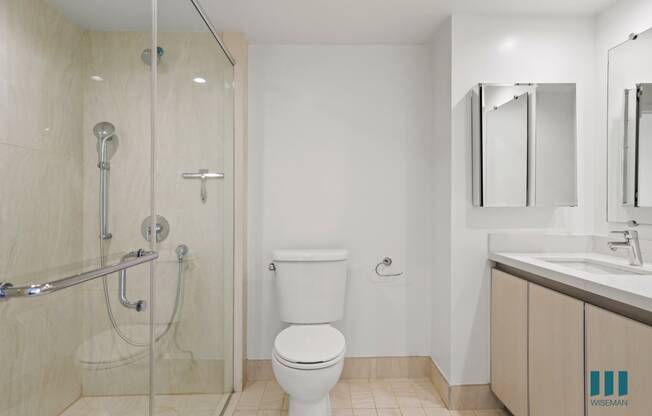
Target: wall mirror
(629, 152)
(524, 145)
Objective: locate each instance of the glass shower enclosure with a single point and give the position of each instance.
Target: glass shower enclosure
(116, 209)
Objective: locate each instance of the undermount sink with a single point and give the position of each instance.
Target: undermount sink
(596, 267)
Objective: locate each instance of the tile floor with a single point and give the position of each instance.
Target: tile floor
(377, 397)
(166, 405)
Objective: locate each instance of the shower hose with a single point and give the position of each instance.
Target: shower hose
(175, 311)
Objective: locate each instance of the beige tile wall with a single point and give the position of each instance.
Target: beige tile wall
(40, 189)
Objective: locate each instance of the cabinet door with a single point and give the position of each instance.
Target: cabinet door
(618, 365)
(509, 341)
(556, 353)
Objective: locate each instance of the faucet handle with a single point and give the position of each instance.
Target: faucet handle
(627, 234)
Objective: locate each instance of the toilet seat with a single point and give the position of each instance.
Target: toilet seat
(312, 366)
(309, 346)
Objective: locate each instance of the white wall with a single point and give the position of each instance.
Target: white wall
(333, 127)
(341, 156)
(440, 330)
(507, 49)
(612, 28)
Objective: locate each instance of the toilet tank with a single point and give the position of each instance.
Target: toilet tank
(310, 285)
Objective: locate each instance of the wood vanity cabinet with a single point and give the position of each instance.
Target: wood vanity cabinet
(537, 348)
(617, 344)
(509, 341)
(555, 353)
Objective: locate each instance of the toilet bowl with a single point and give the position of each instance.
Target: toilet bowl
(307, 361)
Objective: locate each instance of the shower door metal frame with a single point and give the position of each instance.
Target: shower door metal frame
(214, 32)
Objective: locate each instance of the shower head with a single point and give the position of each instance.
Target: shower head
(146, 56)
(104, 131)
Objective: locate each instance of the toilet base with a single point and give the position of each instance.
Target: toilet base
(321, 407)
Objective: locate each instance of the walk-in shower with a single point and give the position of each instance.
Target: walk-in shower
(127, 306)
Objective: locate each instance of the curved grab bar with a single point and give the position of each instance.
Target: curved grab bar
(387, 261)
(139, 305)
(7, 290)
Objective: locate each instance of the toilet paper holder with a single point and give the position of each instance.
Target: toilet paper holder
(386, 262)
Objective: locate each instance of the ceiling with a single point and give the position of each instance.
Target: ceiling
(313, 21)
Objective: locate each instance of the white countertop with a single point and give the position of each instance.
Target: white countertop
(631, 289)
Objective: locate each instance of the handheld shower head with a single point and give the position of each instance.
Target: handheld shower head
(104, 130)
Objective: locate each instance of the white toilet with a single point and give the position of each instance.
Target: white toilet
(308, 356)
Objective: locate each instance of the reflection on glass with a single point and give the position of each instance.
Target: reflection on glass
(644, 146)
(506, 154)
(555, 153)
(629, 147)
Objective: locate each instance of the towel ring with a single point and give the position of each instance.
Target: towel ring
(387, 261)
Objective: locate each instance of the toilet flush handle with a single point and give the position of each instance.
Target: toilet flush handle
(271, 267)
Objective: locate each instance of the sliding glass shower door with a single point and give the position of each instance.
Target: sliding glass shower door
(75, 185)
(194, 192)
(116, 210)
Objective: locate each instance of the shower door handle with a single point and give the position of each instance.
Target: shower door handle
(203, 175)
(139, 305)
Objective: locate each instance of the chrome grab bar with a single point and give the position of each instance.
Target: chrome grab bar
(202, 174)
(139, 305)
(7, 290)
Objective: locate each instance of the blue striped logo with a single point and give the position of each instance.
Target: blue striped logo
(609, 384)
(604, 383)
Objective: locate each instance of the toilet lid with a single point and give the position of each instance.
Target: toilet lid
(309, 343)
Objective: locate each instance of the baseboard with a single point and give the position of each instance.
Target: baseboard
(462, 397)
(439, 381)
(258, 370)
(356, 367)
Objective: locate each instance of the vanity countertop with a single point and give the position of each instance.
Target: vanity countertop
(630, 289)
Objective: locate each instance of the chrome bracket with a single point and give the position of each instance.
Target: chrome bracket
(3, 287)
(203, 175)
(386, 262)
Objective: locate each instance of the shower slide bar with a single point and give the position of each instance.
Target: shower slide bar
(7, 290)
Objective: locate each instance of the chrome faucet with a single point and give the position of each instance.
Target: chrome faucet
(631, 244)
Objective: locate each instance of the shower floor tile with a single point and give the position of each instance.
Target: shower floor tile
(166, 405)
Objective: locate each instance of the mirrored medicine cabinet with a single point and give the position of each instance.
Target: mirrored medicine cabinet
(524, 145)
(629, 152)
